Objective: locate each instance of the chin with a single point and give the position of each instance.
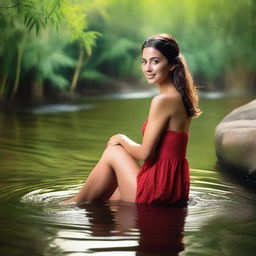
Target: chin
(151, 81)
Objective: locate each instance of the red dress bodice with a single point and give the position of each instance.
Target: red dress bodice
(164, 178)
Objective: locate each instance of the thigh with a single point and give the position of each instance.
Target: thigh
(126, 169)
(116, 196)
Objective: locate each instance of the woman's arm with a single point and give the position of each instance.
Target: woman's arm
(159, 114)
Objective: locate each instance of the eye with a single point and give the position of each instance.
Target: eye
(143, 62)
(155, 61)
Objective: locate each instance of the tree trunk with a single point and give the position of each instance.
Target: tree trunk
(79, 65)
(3, 85)
(18, 68)
(37, 92)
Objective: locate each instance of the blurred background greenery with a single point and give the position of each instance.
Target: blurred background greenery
(57, 50)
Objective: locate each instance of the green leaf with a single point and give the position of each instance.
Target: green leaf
(37, 27)
(26, 18)
(28, 5)
(31, 26)
(43, 24)
(29, 21)
(52, 20)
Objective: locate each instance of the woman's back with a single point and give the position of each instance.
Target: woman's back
(179, 119)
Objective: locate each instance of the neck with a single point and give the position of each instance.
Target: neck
(166, 87)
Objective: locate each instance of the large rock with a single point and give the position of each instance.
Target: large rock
(235, 140)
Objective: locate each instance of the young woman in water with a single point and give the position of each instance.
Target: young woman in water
(164, 176)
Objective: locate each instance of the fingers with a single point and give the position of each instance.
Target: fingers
(113, 144)
(115, 140)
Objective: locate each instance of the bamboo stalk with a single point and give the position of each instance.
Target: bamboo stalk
(18, 68)
(79, 65)
(3, 85)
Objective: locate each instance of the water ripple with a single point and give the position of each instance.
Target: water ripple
(206, 201)
(46, 157)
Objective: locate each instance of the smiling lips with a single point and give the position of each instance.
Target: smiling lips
(150, 76)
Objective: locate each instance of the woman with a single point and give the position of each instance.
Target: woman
(164, 176)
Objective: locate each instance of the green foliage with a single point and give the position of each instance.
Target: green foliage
(95, 75)
(75, 18)
(119, 49)
(118, 54)
(217, 38)
(41, 57)
(8, 43)
(89, 39)
(12, 41)
(35, 13)
(45, 56)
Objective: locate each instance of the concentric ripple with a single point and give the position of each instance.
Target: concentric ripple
(123, 227)
(208, 198)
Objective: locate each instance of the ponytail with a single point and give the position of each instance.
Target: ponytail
(184, 83)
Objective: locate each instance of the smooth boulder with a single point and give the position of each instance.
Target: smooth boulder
(235, 140)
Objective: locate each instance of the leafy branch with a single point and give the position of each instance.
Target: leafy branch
(36, 14)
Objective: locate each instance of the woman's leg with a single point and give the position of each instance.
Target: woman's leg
(116, 168)
(116, 196)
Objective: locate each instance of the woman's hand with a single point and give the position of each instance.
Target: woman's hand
(116, 140)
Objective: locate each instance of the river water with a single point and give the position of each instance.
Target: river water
(46, 154)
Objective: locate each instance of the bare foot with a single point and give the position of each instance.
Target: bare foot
(67, 202)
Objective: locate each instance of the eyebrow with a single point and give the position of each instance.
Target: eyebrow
(151, 58)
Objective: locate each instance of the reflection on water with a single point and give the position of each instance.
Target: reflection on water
(129, 228)
(44, 159)
(113, 227)
(161, 228)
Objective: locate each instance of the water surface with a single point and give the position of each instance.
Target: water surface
(46, 154)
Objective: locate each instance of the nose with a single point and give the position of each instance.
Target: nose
(148, 67)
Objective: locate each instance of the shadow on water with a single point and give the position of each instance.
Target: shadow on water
(238, 175)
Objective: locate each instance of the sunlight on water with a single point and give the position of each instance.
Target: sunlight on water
(44, 196)
(56, 108)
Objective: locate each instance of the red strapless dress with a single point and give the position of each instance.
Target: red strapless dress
(164, 178)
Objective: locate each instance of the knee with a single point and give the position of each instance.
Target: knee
(112, 151)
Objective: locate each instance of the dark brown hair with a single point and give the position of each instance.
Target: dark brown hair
(180, 75)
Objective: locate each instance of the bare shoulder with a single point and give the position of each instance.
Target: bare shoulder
(166, 99)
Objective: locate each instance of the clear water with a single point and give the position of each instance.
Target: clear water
(45, 156)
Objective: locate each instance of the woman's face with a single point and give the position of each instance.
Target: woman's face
(155, 66)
